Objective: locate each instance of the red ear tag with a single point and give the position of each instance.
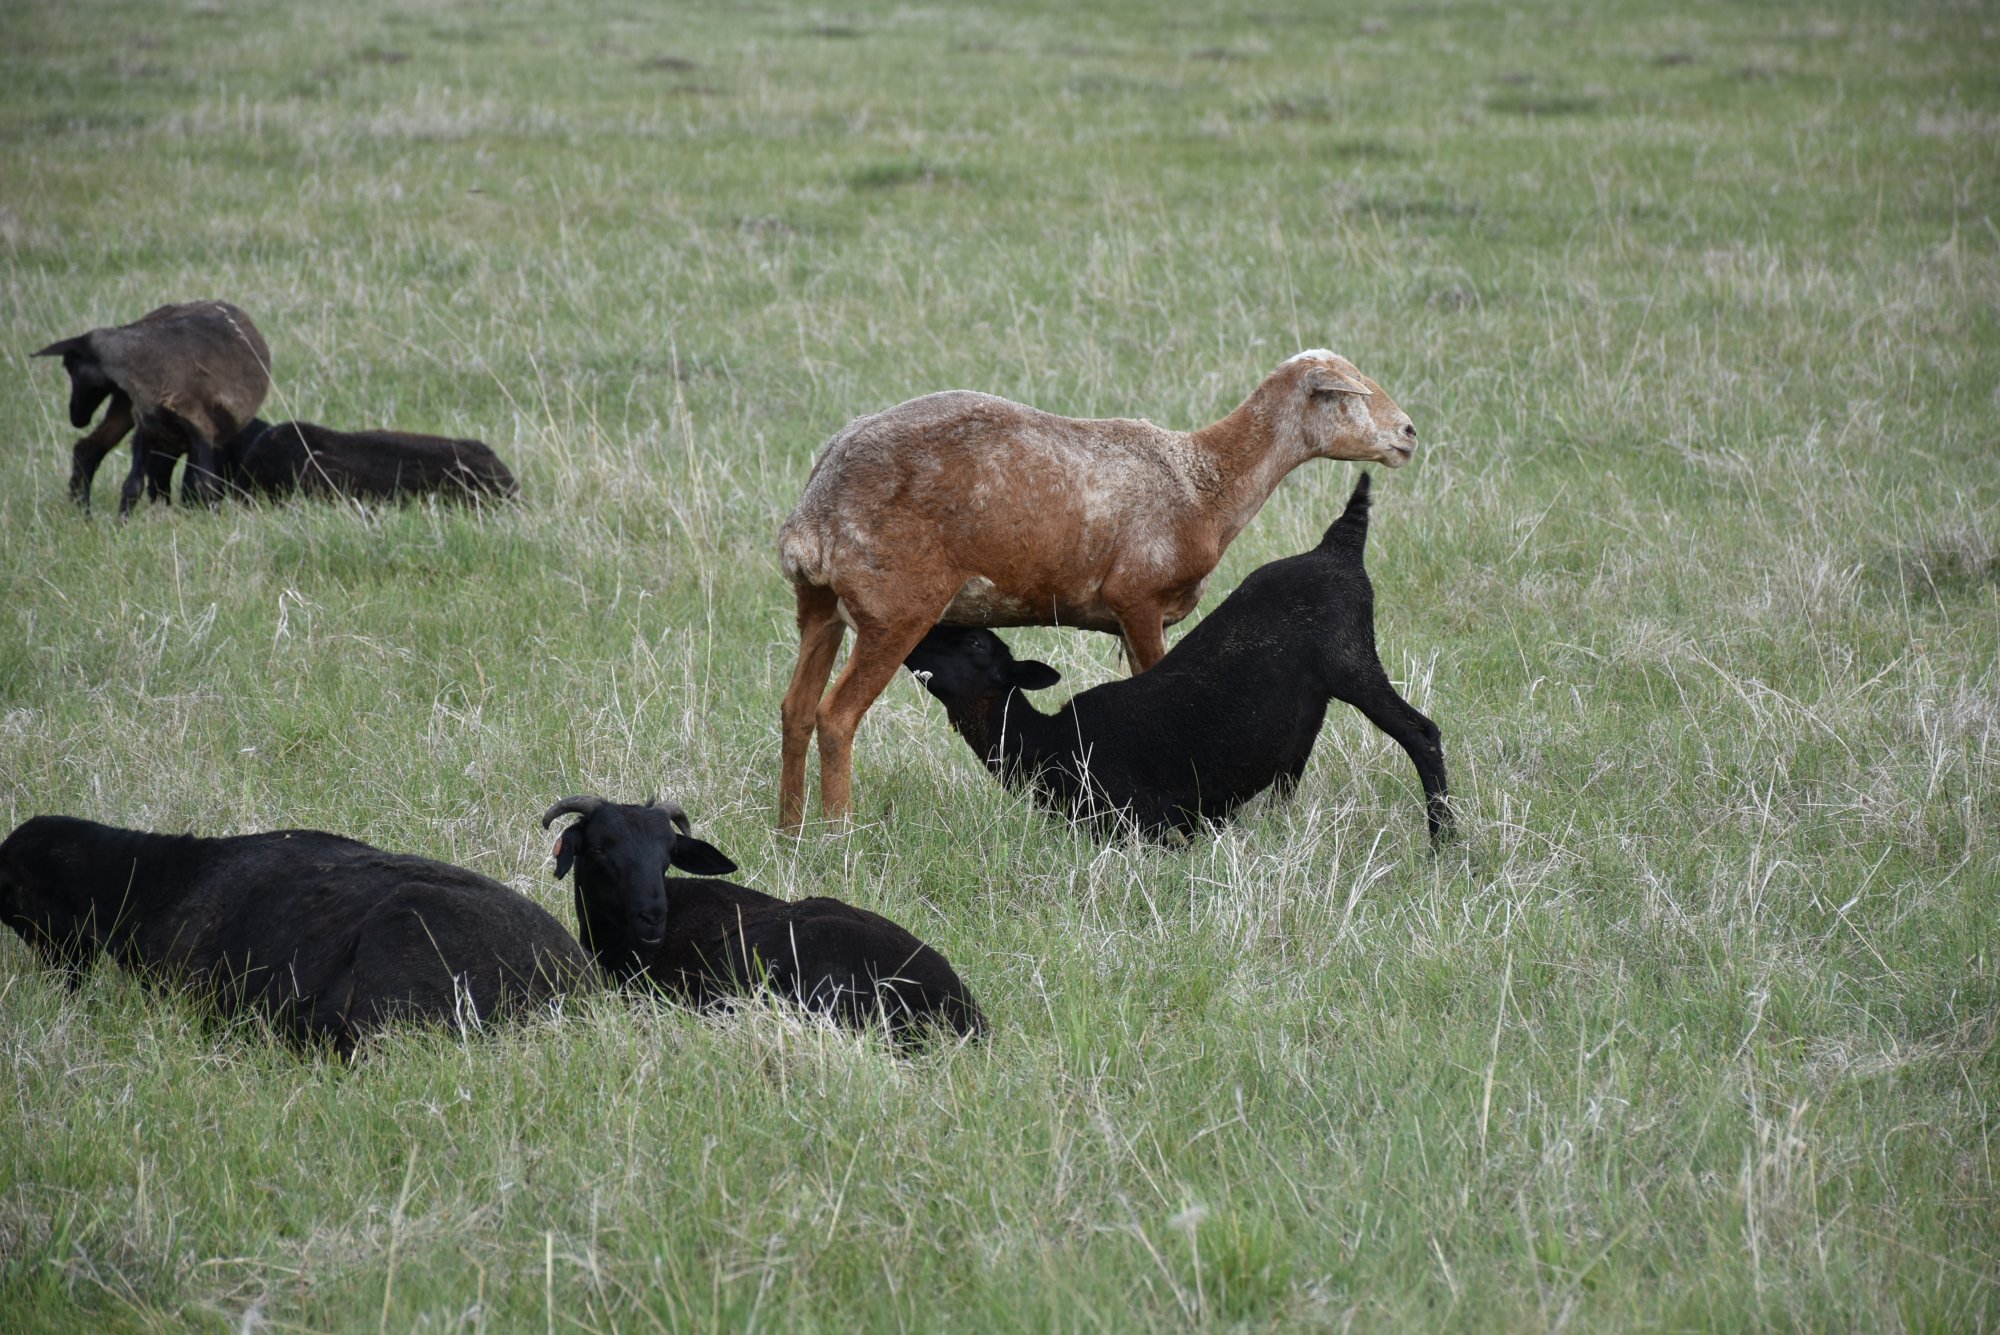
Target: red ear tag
(556, 852)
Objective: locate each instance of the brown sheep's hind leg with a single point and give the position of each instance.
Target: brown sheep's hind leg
(879, 650)
(820, 633)
(156, 447)
(201, 480)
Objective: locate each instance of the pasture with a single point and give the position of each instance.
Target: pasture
(1697, 310)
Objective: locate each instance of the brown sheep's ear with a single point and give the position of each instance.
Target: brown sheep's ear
(81, 343)
(567, 845)
(1326, 380)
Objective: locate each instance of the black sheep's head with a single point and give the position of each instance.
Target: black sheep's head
(44, 901)
(967, 665)
(620, 853)
(974, 675)
(89, 386)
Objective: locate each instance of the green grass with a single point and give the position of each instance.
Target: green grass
(1698, 311)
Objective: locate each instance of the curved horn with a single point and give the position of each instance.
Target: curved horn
(582, 806)
(674, 813)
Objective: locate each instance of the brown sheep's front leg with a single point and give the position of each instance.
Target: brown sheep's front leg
(1144, 603)
(89, 452)
(881, 643)
(1142, 624)
(1145, 640)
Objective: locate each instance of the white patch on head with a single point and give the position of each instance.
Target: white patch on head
(1313, 355)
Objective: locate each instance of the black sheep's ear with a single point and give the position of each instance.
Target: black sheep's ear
(567, 844)
(1031, 675)
(700, 857)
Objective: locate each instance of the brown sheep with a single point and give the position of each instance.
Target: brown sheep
(189, 376)
(964, 509)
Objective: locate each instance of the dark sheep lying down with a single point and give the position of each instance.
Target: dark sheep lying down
(325, 936)
(320, 462)
(188, 376)
(1232, 709)
(705, 940)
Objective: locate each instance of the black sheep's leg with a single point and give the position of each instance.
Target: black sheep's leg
(1288, 778)
(326, 1017)
(1372, 694)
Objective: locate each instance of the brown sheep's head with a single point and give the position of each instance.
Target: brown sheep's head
(1341, 413)
(89, 386)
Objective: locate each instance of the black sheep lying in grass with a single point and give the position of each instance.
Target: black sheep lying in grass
(327, 937)
(1232, 709)
(322, 463)
(704, 940)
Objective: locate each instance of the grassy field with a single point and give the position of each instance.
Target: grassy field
(1697, 309)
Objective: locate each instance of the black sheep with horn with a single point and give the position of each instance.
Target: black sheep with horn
(705, 940)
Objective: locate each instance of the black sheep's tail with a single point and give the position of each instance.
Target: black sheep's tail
(1349, 533)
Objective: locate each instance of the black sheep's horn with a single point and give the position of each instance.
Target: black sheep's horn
(674, 813)
(582, 806)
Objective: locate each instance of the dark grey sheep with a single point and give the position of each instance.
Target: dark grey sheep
(325, 936)
(384, 465)
(188, 376)
(1233, 709)
(703, 940)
